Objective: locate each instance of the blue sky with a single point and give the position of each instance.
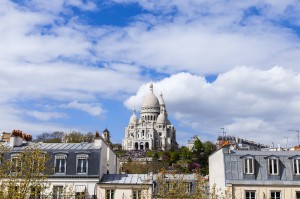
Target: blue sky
(84, 65)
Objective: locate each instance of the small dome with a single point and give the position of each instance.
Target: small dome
(161, 100)
(161, 118)
(133, 119)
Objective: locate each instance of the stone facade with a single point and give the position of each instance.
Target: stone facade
(152, 130)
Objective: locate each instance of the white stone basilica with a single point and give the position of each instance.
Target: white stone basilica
(153, 130)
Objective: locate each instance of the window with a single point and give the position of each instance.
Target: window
(296, 166)
(273, 166)
(35, 193)
(249, 165)
(275, 194)
(187, 187)
(57, 192)
(16, 163)
(82, 163)
(80, 192)
(110, 193)
(80, 195)
(297, 194)
(249, 194)
(60, 164)
(136, 194)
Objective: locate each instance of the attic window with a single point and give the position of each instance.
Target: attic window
(296, 165)
(249, 165)
(60, 164)
(273, 166)
(82, 163)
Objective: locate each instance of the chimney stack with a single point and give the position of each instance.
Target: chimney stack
(17, 138)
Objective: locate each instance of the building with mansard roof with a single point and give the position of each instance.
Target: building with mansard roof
(152, 130)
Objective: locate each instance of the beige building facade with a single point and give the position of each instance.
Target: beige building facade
(245, 174)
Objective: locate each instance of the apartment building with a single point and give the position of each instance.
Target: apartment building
(246, 174)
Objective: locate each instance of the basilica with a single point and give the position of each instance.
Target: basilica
(152, 130)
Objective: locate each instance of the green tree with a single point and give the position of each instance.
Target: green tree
(198, 147)
(23, 173)
(175, 156)
(185, 153)
(74, 137)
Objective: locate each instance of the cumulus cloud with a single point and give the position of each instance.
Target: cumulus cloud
(94, 110)
(45, 116)
(206, 36)
(256, 104)
(53, 55)
(13, 117)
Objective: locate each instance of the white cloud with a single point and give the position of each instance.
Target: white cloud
(45, 116)
(14, 118)
(260, 105)
(94, 110)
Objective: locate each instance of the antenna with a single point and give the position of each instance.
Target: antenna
(287, 140)
(298, 134)
(223, 131)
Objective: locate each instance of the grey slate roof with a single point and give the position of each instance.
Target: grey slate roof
(56, 146)
(125, 179)
(141, 178)
(72, 150)
(234, 167)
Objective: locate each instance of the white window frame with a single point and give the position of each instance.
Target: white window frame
(247, 162)
(296, 170)
(18, 161)
(138, 193)
(251, 191)
(60, 157)
(280, 197)
(111, 193)
(82, 156)
(57, 194)
(271, 162)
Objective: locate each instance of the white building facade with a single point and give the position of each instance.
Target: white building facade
(152, 130)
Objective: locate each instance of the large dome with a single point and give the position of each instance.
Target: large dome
(150, 101)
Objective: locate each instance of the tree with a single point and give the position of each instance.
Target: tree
(170, 185)
(198, 147)
(23, 173)
(185, 153)
(74, 137)
(54, 137)
(174, 157)
(89, 137)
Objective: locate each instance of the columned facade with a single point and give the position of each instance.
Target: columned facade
(153, 129)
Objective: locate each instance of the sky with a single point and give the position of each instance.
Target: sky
(84, 65)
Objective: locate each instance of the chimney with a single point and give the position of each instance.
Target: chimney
(16, 138)
(98, 139)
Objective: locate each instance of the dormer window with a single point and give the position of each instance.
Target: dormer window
(82, 164)
(16, 163)
(249, 165)
(60, 164)
(296, 164)
(273, 166)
